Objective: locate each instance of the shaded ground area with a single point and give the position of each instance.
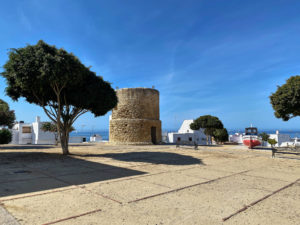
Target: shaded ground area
(26, 172)
(106, 184)
(151, 157)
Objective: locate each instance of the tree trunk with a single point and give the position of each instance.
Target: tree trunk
(56, 138)
(209, 140)
(64, 139)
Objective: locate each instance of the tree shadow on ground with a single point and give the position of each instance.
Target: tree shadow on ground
(25, 147)
(26, 172)
(288, 153)
(45, 146)
(81, 144)
(191, 147)
(261, 148)
(166, 158)
(278, 150)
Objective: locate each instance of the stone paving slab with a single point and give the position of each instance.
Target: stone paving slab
(172, 179)
(127, 190)
(29, 186)
(54, 206)
(20, 173)
(6, 218)
(103, 184)
(242, 181)
(270, 173)
(280, 209)
(204, 172)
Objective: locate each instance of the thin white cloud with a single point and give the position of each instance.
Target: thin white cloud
(24, 20)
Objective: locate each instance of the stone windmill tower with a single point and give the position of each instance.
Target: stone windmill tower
(135, 120)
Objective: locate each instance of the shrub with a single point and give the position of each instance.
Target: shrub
(5, 136)
(272, 142)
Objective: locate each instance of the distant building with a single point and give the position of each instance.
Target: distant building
(236, 138)
(96, 138)
(31, 133)
(186, 135)
(281, 139)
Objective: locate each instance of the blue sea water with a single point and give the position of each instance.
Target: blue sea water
(105, 133)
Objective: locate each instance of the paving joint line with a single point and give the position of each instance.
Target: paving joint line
(37, 194)
(153, 183)
(182, 188)
(73, 217)
(259, 200)
(265, 178)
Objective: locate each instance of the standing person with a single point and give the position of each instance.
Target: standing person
(196, 145)
(273, 152)
(177, 143)
(272, 142)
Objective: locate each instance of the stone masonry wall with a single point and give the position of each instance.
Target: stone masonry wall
(137, 111)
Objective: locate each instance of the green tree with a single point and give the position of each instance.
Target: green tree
(221, 135)
(264, 136)
(272, 142)
(52, 127)
(58, 82)
(7, 116)
(209, 123)
(286, 100)
(5, 136)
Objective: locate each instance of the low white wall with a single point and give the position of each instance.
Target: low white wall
(96, 139)
(77, 139)
(185, 138)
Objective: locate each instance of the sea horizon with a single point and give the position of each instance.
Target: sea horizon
(104, 133)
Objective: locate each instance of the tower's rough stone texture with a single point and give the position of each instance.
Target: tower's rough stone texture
(135, 120)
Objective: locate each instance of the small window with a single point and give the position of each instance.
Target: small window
(26, 130)
(178, 139)
(190, 139)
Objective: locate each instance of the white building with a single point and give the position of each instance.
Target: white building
(236, 138)
(96, 138)
(31, 133)
(280, 138)
(186, 135)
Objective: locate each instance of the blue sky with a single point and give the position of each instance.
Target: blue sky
(218, 57)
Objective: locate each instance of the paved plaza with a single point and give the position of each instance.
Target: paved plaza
(160, 184)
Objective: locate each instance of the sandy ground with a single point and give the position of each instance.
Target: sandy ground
(106, 184)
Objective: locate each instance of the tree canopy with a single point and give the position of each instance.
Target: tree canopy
(286, 100)
(264, 136)
(7, 116)
(52, 127)
(209, 123)
(272, 142)
(221, 135)
(58, 82)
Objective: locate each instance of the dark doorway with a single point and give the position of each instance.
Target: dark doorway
(153, 135)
